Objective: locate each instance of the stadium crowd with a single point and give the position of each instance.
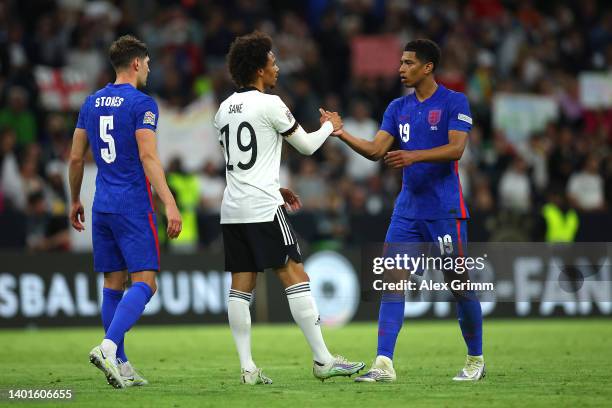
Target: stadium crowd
(488, 47)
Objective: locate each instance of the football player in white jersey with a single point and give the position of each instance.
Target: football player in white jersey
(257, 234)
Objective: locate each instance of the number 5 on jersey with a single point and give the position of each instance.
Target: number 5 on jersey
(251, 146)
(108, 154)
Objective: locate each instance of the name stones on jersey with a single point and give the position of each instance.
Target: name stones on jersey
(235, 108)
(149, 118)
(114, 101)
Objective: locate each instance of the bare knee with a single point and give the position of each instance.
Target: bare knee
(115, 280)
(244, 281)
(147, 277)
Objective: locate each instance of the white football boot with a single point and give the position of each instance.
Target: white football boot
(338, 367)
(473, 370)
(382, 371)
(108, 365)
(254, 377)
(131, 377)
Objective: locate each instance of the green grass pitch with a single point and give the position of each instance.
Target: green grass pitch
(530, 363)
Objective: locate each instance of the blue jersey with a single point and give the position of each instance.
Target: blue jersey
(430, 191)
(111, 117)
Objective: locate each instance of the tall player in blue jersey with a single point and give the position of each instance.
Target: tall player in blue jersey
(431, 127)
(119, 124)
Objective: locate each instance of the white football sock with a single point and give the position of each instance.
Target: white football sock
(305, 313)
(239, 316)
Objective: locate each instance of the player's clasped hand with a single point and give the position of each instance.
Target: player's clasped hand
(175, 223)
(333, 117)
(292, 200)
(400, 158)
(77, 216)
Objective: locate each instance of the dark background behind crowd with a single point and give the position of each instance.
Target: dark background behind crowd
(555, 185)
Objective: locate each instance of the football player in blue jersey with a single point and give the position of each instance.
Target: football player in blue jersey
(118, 122)
(431, 128)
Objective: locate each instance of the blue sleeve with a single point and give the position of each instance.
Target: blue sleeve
(460, 116)
(389, 122)
(146, 114)
(82, 121)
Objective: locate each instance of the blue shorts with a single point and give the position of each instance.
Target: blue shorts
(123, 241)
(448, 234)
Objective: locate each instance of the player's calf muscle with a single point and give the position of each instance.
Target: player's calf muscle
(292, 273)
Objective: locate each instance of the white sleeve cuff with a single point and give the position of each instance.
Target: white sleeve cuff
(308, 143)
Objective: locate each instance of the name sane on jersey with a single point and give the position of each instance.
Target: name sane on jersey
(235, 108)
(114, 101)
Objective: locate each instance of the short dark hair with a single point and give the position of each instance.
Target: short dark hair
(425, 51)
(123, 51)
(247, 54)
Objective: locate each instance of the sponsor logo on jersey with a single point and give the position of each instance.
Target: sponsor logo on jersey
(434, 117)
(289, 115)
(464, 118)
(149, 118)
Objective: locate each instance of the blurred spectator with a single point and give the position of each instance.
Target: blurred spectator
(360, 124)
(483, 199)
(515, 187)
(55, 194)
(186, 191)
(43, 231)
(585, 188)
(85, 57)
(212, 186)
(17, 116)
(31, 182)
(310, 186)
(563, 158)
(560, 221)
(376, 201)
(10, 179)
(334, 162)
(57, 143)
(536, 155)
(480, 84)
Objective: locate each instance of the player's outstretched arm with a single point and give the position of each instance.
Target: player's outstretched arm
(76, 166)
(445, 153)
(147, 149)
(372, 150)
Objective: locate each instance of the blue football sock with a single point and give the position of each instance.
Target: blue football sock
(129, 311)
(390, 320)
(469, 315)
(110, 300)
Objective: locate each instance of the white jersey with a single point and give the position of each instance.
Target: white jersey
(251, 126)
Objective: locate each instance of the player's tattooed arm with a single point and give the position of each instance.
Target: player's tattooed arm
(445, 153)
(80, 144)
